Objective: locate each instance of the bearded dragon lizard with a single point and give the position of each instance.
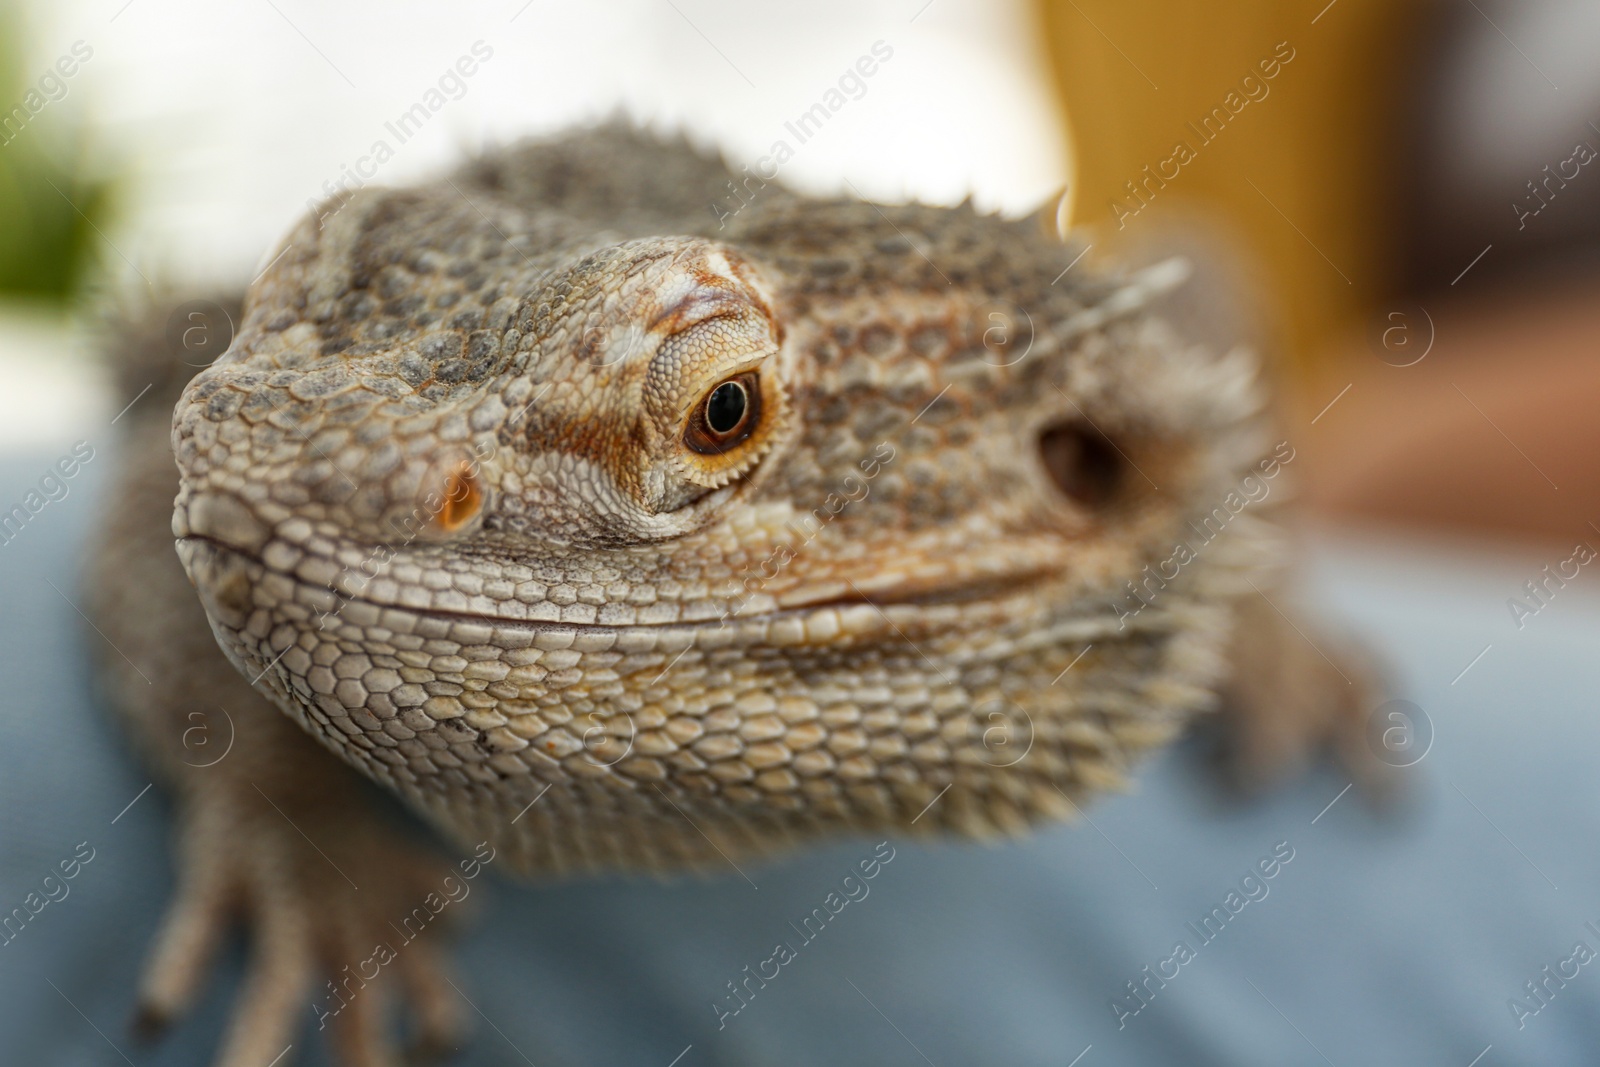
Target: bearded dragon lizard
(615, 534)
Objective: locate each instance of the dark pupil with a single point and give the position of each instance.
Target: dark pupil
(725, 407)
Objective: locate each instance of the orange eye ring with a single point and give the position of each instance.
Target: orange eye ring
(726, 416)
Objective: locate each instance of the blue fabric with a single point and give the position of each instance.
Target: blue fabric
(1395, 941)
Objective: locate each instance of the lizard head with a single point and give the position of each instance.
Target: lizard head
(721, 538)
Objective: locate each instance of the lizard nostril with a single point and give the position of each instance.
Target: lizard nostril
(462, 499)
(1083, 463)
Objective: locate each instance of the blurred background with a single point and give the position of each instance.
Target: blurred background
(1366, 181)
(1396, 201)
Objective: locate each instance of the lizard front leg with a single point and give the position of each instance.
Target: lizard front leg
(1294, 690)
(274, 832)
(287, 842)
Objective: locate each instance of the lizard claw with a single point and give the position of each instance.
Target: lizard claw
(320, 886)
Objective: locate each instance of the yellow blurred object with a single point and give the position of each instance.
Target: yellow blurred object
(1274, 119)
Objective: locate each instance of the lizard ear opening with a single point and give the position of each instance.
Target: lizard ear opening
(1084, 464)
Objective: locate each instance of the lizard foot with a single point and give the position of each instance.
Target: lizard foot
(338, 907)
(1297, 693)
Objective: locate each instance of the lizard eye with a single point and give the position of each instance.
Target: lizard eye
(727, 415)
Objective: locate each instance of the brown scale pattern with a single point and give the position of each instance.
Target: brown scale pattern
(669, 655)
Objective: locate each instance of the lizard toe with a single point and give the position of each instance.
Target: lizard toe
(190, 932)
(439, 1023)
(272, 1003)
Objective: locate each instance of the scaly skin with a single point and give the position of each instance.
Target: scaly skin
(451, 499)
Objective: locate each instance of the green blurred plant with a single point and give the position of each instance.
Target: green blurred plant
(50, 203)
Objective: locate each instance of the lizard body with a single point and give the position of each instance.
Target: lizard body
(618, 535)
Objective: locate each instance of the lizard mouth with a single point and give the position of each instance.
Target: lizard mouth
(988, 592)
(222, 574)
